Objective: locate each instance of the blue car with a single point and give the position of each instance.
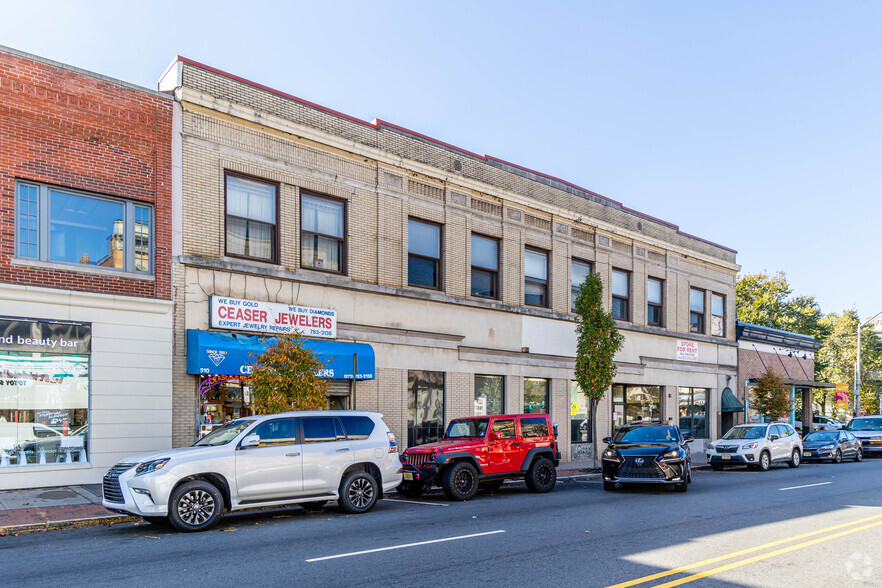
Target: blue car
(831, 445)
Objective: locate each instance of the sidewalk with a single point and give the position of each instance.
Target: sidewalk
(43, 509)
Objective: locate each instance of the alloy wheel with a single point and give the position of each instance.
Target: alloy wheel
(464, 481)
(544, 475)
(361, 492)
(196, 507)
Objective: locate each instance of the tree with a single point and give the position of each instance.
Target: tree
(598, 341)
(765, 300)
(835, 360)
(770, 396)
(284, 378)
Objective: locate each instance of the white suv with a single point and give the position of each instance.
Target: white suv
(758, 446)
(304, 458)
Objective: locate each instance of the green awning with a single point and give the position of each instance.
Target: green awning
(730, 403)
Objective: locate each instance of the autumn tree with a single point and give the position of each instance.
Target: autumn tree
(770, 396)
(767, 301)
(598, 341)
(284, 378)
(836, 359)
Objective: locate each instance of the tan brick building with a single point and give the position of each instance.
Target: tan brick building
(455, 268)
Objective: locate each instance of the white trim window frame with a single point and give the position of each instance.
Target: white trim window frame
(34, 233)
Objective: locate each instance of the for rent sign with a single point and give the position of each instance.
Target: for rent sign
(687, 350)
(272, 317)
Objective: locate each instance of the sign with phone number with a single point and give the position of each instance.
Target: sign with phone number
(272, 317)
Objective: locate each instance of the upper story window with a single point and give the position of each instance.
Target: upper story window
(423, 254)
(322, 233)
(654, 302)
(252, 218)
(621, 293)
(535, 277)
(485, 267)
(696, 310)
(68, 226)
(579, 270)
(718, 315)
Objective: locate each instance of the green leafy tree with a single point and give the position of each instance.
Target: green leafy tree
(598, 341)
(766, 300)
(770, 396)
(836, 359)
(284, 378)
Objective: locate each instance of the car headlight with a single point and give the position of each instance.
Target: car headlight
(611, 455)
(826, 447)
(673, 454)
(750, 446)
(151, 466)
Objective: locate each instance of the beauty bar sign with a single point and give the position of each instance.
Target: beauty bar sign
(272, 317)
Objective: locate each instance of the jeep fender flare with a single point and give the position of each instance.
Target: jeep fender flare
(447, 458)
(534, 453)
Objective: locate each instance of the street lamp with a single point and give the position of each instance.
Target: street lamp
(857, 367)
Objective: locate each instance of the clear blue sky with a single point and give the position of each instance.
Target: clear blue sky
(755, 125)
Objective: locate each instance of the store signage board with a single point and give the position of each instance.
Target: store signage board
(272, 317)
(33, 336)
(842, 396)
(687, 350)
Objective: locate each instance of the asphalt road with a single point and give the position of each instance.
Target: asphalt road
(816, 525)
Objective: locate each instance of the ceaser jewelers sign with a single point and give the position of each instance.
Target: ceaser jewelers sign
(272, 317)
(687, 350)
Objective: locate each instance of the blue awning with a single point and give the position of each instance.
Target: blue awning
(219, 353)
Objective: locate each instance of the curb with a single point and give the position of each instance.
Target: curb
(66, 524)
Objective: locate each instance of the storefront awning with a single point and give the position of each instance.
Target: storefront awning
(730, 403)
(215, 352)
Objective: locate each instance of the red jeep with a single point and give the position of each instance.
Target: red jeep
(484, 451)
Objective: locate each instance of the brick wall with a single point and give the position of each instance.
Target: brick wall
(72, 129)
(753, 363)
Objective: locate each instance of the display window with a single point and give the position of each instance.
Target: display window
(44, 408)
(635, 403)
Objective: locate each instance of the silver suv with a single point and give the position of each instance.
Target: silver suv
(756, 446)
(303, 458)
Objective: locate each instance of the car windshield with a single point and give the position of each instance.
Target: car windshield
(746, 433)
(865, 425)
(225, 434)
(466, 428)
(821, 436)
(647, 435)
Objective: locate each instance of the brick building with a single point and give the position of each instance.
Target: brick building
(790, 356)
(447, 275)
(85, 272)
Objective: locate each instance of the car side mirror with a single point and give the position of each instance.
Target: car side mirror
(496, 435)
(774, 437)
(607, 440)
(842, 427)
(250, 441)
(688, 439)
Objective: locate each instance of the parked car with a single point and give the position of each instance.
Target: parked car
(484, 452)
(869, 430)
(647, 452)
(821, 423)
(757, 446)
(304, 458)
(832, 445)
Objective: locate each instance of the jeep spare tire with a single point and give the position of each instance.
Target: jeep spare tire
(460, 481)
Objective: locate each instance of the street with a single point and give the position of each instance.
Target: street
(815, 525)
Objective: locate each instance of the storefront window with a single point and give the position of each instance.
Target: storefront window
(580, 425)
(635, 403)
(224, 399)
(44, 397)
(693, 412)
(489, 395)
(425, 407)
(535, 395)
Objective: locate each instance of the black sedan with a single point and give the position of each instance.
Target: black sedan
(832, 445)
(647, 453)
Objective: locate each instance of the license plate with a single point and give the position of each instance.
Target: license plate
(726, 456)
(408, 476)
(807, 453)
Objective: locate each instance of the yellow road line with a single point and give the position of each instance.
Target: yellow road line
(757, 558)
(705, 562)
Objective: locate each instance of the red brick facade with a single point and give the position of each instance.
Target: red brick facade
(752, 363)
(82, 131)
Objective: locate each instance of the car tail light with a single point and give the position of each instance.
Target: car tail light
(393, 444)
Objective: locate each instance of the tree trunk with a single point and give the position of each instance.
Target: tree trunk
(593, 417)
